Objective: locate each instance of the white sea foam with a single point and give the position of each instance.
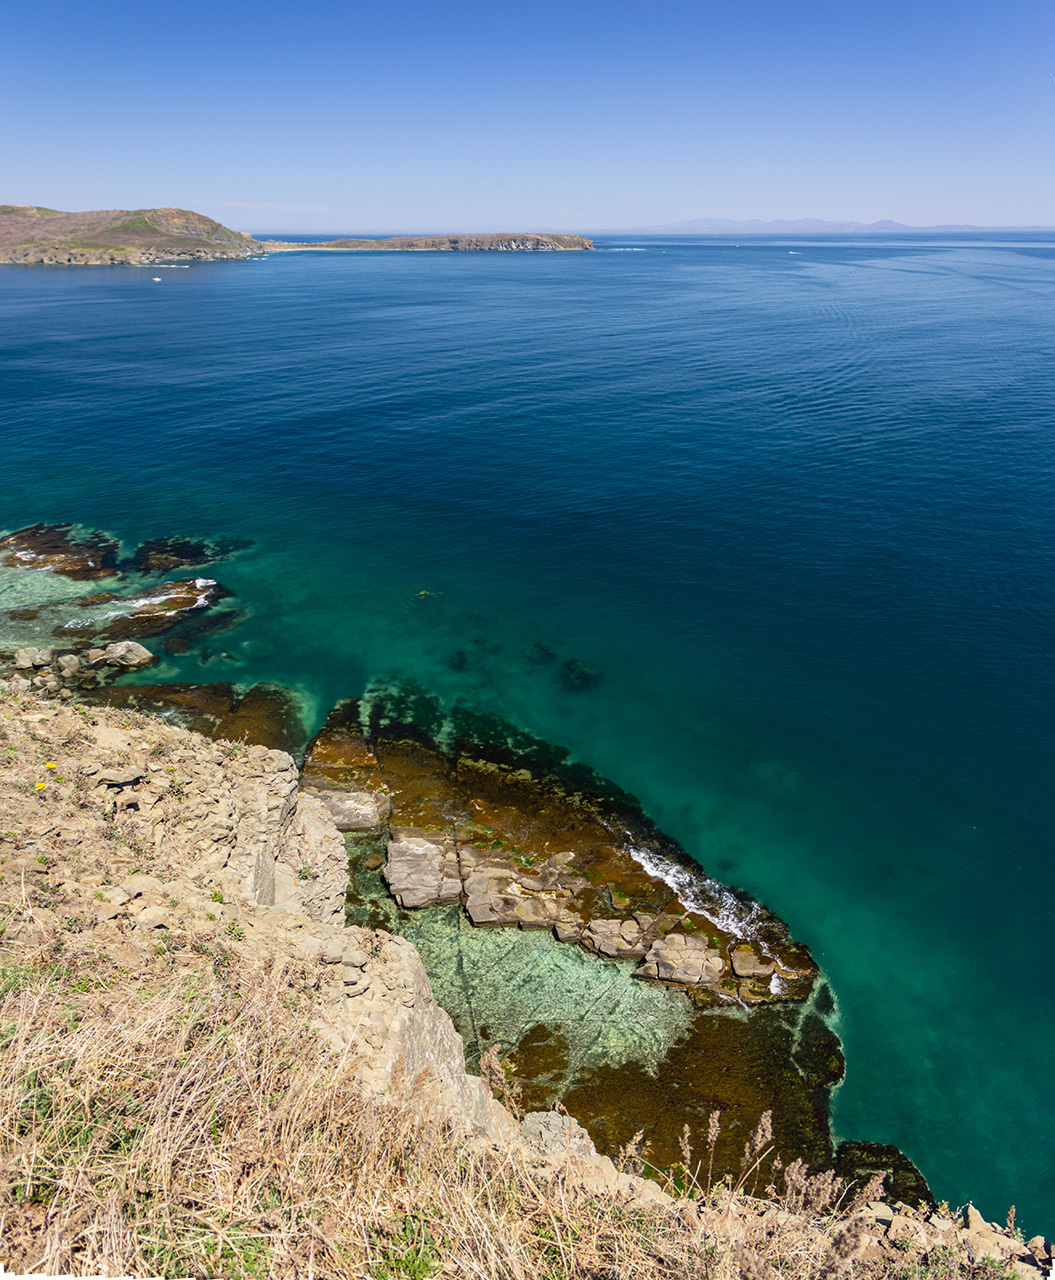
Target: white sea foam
(700, 893)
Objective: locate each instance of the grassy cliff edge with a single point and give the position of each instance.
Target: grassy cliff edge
(171, 974)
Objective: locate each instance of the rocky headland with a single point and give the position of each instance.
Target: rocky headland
(31, 234)
(446, 891)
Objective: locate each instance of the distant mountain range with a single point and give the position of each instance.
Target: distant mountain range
(797, 226)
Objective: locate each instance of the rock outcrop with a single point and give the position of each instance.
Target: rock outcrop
(514, 848)
(57, 549)
(145, 835)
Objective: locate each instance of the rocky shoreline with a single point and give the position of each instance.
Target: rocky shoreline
(464, 814)
(140, 853)
(408, 819)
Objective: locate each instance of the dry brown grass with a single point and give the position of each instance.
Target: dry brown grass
(181, 1127)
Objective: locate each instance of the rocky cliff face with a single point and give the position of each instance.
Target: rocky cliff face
(148, 836)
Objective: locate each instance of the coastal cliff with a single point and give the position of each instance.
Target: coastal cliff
(420, 896)
(34, 235)
(171, 972)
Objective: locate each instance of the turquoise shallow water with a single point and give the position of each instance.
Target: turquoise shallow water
(795, 509)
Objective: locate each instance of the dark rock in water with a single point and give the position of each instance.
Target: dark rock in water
(575, 677)
(819, 1054)
(858, 1161)
(102, 618)
(458, 661)
(540, 655)
(162, 555)
(267, 715)
(55, 548)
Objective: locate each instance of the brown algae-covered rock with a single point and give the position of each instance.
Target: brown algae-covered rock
(55, 548)
(535, 849)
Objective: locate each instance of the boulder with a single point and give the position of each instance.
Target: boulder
(495, 910)
(121, 776)
(748, 964)
(556, 1134)
(127, 653)
(422, 873)
(153, 918)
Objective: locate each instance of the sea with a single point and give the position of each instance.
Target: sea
(788, 503)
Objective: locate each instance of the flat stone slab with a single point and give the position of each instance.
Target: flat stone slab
(356, 810)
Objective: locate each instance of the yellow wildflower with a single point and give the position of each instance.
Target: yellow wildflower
(51, 765)
(41, 786)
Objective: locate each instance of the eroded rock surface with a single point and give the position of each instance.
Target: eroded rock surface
(263, 715)
(145, 843)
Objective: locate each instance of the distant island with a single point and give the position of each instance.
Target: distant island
(33, 234)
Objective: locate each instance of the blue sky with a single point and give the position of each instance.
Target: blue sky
(419, 117)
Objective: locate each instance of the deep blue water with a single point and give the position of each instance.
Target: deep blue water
(794, 507)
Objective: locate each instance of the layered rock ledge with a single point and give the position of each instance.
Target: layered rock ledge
(142, 839)
(515, 848)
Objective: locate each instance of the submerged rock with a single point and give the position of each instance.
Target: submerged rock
(162, 555)
(857, 1162)
(56, 549)
(105, 617)
(263, 715)
(150, 612)
(576, 678)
